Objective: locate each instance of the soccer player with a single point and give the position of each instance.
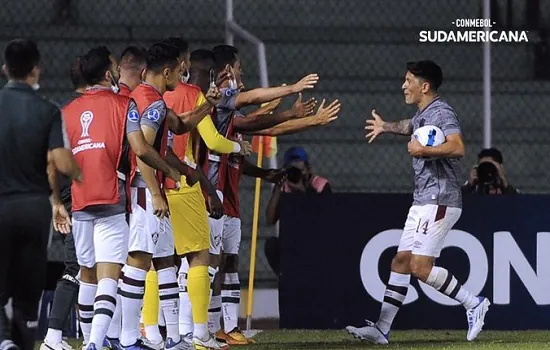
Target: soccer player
(151, 235)
(436, 207)
(100, 126)
(189, 212)
(230, 121)
(131, 67)
(66, 292)
(31, 142)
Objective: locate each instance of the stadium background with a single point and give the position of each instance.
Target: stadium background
(359, 48)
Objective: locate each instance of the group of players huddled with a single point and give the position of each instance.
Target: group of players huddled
(158, 136)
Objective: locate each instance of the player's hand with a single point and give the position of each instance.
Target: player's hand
(308, 82)
(246, 148)
(303, 109)
(275, 176)
(374, 126)
(415, 148)
(215, 206)
(222, 77)
(326, 115)
(213, 96)
(160, 207)
(60, 219)
(175, 175)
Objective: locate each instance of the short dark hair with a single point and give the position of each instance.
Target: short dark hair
(182, 45)
(201, 55)
(161, 55)
(76, 74)
(94, 64)
(225, 48)
(427, 70)
(493, 153)
(224, 55)
(133, 57)
(21, 56)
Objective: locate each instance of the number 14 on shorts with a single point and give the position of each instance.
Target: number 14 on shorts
(422, 226)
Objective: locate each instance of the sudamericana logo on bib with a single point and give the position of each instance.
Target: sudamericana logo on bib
(473, 30)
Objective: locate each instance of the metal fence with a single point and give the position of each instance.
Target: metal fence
(359, 49)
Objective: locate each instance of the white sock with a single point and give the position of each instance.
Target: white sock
(214, 313)
(116, 323)
(186, 314)
(104, 308)
(169, 301)
(394, 296)
(153, 334)
(86, 297)
(53, 336)
(445, 283)
(131, 293)
(231, 299)
(201, 331)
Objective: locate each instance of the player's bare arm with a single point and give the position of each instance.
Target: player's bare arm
(54, 183)
(148, 155)
(255, 121)
(269, 175)
(215, 205)
(63, 161)
(262, 95)
(377, 126)
(184, 169)
(148, 174)
(453, 147)
(323, 116)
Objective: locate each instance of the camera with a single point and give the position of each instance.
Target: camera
(488, 178)
(487, 173)
(294, 174)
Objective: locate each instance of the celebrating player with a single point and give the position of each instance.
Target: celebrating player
(189, 212)
(131, 67)
(436, 207)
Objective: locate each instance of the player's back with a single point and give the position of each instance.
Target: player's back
(436, 181)
(96, 124)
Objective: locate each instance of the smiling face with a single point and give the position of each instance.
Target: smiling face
(414, 88)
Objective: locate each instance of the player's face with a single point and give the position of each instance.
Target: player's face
(412, 89)
(172, 76)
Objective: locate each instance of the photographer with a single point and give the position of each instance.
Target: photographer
(487, 177)
(298, 179)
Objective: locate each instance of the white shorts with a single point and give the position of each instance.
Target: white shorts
(102, 240)
(231, 237)
(148, 233)
(216, 230)
(427, 227)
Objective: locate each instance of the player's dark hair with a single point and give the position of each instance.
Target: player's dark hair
(202, 55)
(133, 57)
(224, 55)
(427, 70)
(20, 57)
(493, 153)
(94, 64)
(160, 56)
(76, 74)
(225, 48)
(182, 45)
